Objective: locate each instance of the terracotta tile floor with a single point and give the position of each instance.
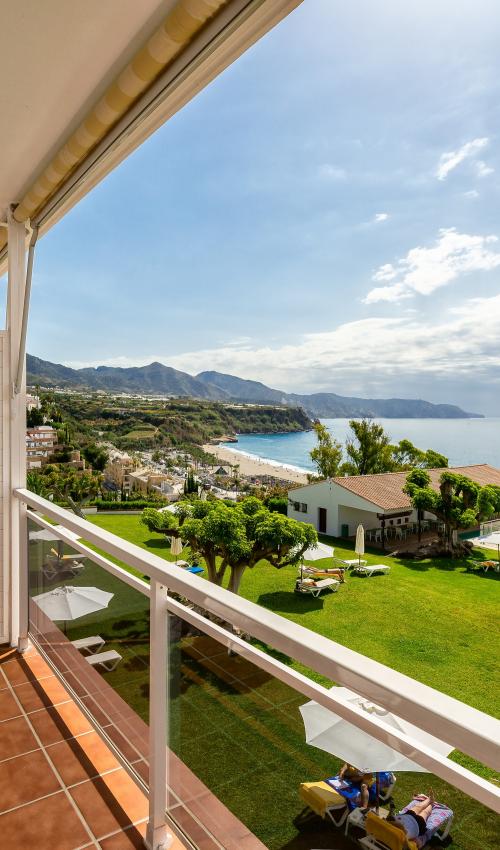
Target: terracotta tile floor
(61, 788)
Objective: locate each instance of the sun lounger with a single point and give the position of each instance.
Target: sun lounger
(321, 799)
(382, 835)
(53, 565)
(354, 562)
(330, 798)
(371, 569)
(95, 643)
(109, 659)
(438, 823)
(490, 565)
(350, 790)
(315, 588)
(326, 572)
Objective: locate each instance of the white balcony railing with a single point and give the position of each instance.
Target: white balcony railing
(468, 730)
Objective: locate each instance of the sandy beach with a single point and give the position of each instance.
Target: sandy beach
(250, 465)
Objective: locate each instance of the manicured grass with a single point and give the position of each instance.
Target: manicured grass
(241, 731)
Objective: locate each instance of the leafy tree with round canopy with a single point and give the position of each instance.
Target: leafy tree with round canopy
(234, 537)
(459, 502)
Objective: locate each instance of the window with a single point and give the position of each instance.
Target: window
(399, 522)
(296, 506)
(303, 507)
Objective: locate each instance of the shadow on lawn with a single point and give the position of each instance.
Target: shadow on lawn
(157, 543)
(289, 602)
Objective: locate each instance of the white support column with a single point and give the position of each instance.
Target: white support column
(157, 835)
(16, 473)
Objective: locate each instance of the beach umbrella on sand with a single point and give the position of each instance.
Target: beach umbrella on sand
(70, 603)
(360, 542)
(176, 546)
(331, 733)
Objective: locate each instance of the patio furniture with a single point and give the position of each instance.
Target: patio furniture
(357, 818)
(370, 569)
(55, 564)
(354, 562)
(383, 835)
(327, 572)
(89, 643)
(109, 659)
(490, 565)
(324, 801)
(439, 821)
(315, 588)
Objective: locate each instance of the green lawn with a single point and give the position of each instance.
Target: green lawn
(241, 731)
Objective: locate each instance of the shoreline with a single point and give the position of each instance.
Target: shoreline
(254, 465)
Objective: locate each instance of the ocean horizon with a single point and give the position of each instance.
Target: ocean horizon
(463, 441)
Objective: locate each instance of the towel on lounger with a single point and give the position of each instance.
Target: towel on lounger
(439, 815)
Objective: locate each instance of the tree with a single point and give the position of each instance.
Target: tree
(190, 484)
(38, 484)
(34, 418)
(327, 454)
(459, 502)
(234, 537)
(72, 486)
(406, 456)
(96, 456)
(368, 449)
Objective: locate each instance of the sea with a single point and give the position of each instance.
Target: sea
(463, 441)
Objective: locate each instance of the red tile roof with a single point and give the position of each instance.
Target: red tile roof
(386, 489)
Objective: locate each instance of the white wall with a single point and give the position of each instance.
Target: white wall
(342, 506)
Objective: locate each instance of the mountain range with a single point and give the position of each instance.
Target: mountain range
(157, 379)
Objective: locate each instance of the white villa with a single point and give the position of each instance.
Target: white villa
(337, 506)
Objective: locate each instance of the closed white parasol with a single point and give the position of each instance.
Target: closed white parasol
(176, 546)
(360, 542)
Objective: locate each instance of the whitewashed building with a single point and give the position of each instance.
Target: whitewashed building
(336, 506)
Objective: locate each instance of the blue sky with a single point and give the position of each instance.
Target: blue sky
(324, 216)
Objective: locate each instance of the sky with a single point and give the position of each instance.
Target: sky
(323, 217)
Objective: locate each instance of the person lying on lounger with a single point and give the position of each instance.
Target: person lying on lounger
(413, 822)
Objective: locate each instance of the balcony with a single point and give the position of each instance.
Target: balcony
(60, 785)
(147, 713)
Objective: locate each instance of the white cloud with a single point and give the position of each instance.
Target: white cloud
(381, 217)
(482, 169)
(466, 343)
(331, 172)
(450, 160)
(391, 352)
(424, 270)
(472, 194)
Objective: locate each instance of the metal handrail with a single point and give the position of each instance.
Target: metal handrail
(465, 728)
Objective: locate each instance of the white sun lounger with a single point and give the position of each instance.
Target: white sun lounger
(354, 562)
(95, 643)
(370, 569)
(317, 588)
(109, 659)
